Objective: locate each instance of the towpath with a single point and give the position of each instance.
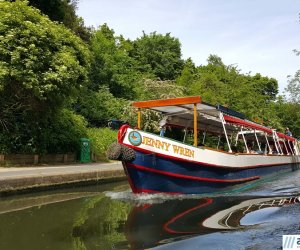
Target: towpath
(25, 178)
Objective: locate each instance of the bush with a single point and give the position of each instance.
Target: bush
(63, 132)
(100, 107)
(59, 133)
(101, 139)
(4, 142)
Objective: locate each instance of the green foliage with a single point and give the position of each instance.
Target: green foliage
(112, 66)
(267, 87)
(57, 10)
(101, 139)
(156, 89)
(209, 87)
(61, 133)
(98, 107)
(293, 88)
(42, 63)
(43, 66)
(46, 70)
(103, 217)
(63, 11)
(218, 83)
(152, 90)
(4, 143)
(188, 74)
(159, 54)
(288, 115)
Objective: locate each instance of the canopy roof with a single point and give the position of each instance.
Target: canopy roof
(180, 113)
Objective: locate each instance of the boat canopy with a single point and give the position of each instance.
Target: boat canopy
(182, 112)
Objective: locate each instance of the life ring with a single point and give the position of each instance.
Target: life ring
(122, 132)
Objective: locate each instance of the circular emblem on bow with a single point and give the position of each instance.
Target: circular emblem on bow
(135, 138)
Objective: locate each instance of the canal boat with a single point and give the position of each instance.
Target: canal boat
(158, 163)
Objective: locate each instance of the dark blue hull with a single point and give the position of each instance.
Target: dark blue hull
(152, 173)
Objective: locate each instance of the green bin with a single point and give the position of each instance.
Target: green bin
(85, 150)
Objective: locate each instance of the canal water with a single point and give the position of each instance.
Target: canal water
(109, 216)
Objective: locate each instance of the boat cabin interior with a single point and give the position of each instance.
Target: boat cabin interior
(192, 121)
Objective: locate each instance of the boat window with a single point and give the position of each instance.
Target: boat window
(215, 141)
(178, 134)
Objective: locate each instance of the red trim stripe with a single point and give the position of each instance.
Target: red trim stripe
(204, 163)
(252, 125)
(171, 231)
(195, 178)
(131, 184)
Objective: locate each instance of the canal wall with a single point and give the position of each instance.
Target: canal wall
(26, 179)
(34, 159)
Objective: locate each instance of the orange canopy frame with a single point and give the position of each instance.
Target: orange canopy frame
(168, 102)
(183, 102)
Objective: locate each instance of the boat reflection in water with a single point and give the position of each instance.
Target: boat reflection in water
(150, 225)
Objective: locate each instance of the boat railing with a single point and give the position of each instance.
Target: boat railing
(190, 110)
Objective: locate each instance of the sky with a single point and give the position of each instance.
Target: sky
(257, 36)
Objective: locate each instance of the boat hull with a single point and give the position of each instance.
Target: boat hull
(164, 165)
(149, 173)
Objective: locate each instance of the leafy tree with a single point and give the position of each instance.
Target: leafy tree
(159, 54)
(57, 10)
(188, 74)
(266, 86)
(215, 60)
(59, 133)
(288, 115)
(289, 110)
(63, 11)
(98, 107)
(101, 139)
(224, 84)
(39, 59)
(152, 90)
(112, 66)
(43, 66)
(209, 88)
(293, 88)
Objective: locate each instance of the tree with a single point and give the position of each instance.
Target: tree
(215, 60)
(121, 64)
(188, 73)
(210, 88)
(266, 86)
(43, 66)
(212, 81)
(152, 90)
(160, 54)
(112, 66)
(57, 10)
(288, 115)
(98, 107)
(42, 63)
(63, 11)
(225, 84)
(293, 88)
